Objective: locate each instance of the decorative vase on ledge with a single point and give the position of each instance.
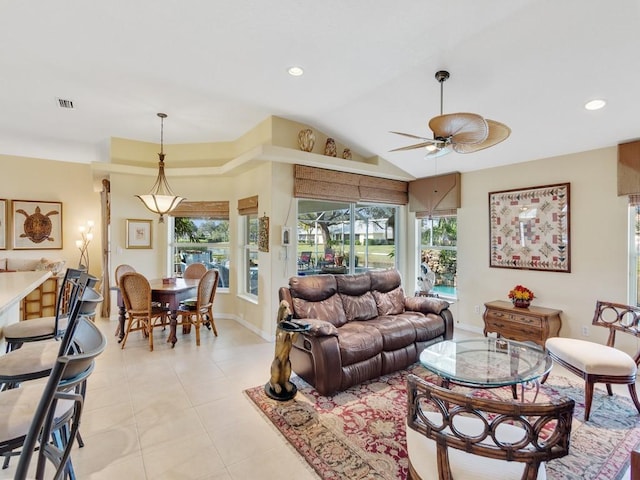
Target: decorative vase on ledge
(306, 140)
(521, 303)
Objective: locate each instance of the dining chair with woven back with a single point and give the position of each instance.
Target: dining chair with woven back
(142, 315)
(201, 312)
(195, 271)
(121, 270)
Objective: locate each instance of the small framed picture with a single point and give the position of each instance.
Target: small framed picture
(139, 233)
(286, 236)
(36, 225)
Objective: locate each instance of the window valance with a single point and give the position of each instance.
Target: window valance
(248, 206)
(324, 184)
(435, 196)
(217, 210)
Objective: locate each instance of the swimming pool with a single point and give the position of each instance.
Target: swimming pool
(444, 290)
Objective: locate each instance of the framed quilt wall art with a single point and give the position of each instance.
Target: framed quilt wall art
(529, 228)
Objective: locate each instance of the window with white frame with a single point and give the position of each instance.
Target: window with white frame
(339, 237)
(250, 257)
(439, 250)
(201, 240)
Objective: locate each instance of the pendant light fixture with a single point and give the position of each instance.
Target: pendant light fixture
(161, 199)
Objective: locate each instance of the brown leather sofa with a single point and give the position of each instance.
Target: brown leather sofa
(362, 327)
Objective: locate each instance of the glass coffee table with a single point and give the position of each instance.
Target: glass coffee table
(487, 363)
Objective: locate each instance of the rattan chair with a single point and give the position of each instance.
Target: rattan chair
(195, 270)
(44, 328)
(201, 313)
(121, 270)
(456, 436)
(141, 315)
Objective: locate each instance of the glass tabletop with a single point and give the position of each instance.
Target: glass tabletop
(486, 362)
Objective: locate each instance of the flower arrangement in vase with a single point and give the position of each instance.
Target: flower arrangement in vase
(521, 296)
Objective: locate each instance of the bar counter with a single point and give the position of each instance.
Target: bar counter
(14, 286)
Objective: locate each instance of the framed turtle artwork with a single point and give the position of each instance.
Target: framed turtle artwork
(36, 225)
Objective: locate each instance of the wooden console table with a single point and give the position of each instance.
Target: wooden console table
(534, 324)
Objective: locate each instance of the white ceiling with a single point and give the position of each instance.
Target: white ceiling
(219, 68)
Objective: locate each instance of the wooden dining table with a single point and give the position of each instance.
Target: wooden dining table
(167, 294)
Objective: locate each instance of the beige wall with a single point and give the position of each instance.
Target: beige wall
(598, 232)
(70, 183)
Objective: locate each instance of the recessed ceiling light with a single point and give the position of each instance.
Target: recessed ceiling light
(295, 71)
(595, 104)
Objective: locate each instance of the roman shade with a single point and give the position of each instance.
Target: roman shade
(323, 184)
(217, 210)
(435, 196)
(248, 206)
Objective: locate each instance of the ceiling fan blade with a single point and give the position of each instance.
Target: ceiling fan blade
(498, 132)
(410, 135)
(412, 147)
(465, 128)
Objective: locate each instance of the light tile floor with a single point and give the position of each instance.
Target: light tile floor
(181, 413)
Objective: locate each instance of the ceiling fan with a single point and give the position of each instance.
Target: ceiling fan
(458, 132)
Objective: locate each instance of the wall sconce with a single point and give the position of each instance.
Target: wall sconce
(83, 243)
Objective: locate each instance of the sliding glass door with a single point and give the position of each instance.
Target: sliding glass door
(335, 237)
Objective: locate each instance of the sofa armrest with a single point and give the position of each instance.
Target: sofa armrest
(319, 328)
(425, 305)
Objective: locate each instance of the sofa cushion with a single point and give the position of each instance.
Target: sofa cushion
(361, 307)
(396, 332)
(22, 264)
(357, 299)
(320, 328)
(54, 266)
(313, 288)
(427, 327)
(316, 296)
(330, 310)
(385, 280)
(354, 285)
(358, 342)
(390, 303)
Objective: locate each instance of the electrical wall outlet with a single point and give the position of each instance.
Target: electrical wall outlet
(476, 309)
(585, 331)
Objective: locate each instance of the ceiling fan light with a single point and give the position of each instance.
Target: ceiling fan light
(431, 147)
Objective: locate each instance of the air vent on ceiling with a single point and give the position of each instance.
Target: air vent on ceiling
(64, 103)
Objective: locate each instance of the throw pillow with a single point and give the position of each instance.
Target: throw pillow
(391, 302)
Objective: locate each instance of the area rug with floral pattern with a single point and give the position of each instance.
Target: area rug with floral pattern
(360, 433)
